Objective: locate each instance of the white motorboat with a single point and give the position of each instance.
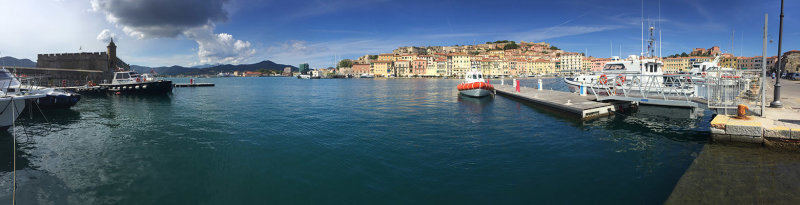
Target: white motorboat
(12, 105)
(53, 97)
(700, 71)
(474, 85)
(367, 75)
(633, 65)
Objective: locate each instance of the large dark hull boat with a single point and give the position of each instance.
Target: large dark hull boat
(149, 88)
(129, 82)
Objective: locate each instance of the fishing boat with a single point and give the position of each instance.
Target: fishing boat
(474, 85)
(133, 83)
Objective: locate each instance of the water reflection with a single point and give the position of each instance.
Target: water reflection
(474, 108)
(7, 151)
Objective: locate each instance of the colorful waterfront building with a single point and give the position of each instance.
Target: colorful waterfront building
(382, 68)
(402, 68)
(419, 67)
(459, 63)
(359, 69)
(571, 62)
(598, 63)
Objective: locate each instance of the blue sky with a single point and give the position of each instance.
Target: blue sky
(178, 32)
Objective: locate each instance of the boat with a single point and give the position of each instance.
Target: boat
(133, 83)
(617, 69)
(701, 70)
(474, 85)
(12, 105)
(367, 75)
(53, 97)
(304, 76)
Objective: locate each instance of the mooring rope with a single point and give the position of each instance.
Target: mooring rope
(14, 135)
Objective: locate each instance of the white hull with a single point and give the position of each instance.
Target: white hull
(10, 113)
(475, 92)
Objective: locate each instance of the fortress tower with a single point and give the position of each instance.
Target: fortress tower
(112, 55)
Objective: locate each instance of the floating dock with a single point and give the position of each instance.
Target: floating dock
(572, 104)
(194, 84)
(86, 89)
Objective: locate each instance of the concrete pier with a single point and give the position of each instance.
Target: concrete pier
(778, 129)
(572, 104)
(194, 84)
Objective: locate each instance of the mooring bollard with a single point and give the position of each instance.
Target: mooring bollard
(583, 90)
(540, 84)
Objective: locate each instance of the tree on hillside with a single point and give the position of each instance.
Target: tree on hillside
(554, 48)
(511, 45)
(346, 63)
(684, 54)
(373, 57)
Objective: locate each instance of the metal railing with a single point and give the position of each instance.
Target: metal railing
(667, 90)
(717, 89)
(727, 89)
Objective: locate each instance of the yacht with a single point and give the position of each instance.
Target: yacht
(53, 97)
(132, 82)
(701, 70)
(367, 75)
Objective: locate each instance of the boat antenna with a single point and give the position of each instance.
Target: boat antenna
(642, 51)
(733, 37)
(659, 29)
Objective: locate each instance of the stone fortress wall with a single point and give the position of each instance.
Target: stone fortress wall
(84, 61)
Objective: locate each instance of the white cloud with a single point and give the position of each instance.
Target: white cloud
(219, 48)
(560, 31)
(106, 35)
(147, 19)
(322, 54)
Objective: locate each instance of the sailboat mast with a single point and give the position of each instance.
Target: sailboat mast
(659, 30)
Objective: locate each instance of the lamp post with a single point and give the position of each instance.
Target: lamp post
(776, 101)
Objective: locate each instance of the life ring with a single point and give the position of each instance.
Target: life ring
(621, 80)
(603, 79)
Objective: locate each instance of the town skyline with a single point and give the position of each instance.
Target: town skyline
(240, 32)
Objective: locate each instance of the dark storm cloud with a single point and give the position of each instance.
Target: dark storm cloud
(161, 18)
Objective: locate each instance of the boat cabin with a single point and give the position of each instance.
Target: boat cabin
(474, 76)
(126, 77)
(634, 65)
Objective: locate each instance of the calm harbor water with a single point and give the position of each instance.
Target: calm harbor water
(398, 141)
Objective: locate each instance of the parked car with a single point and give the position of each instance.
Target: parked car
(794, 76)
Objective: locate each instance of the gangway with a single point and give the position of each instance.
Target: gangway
(714, 90)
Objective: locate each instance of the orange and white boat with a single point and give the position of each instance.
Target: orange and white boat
(474, 85)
